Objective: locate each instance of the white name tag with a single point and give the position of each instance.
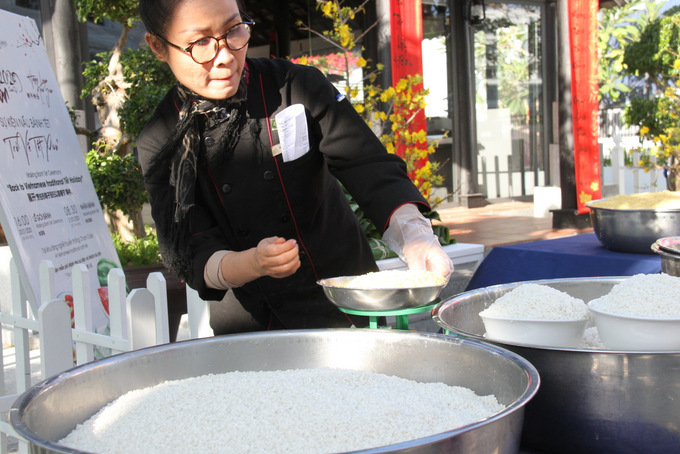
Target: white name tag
(291, 123)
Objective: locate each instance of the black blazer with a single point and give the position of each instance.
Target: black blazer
(254, 195)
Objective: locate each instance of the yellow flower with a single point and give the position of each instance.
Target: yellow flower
(329, 8)
(401, 85)
(676, 64)
(303, 60)
(359, 108)
(388, 94)
(361, 63)
(390, 147)
(644, 131)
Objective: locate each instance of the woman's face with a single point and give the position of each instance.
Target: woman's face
(191, 21)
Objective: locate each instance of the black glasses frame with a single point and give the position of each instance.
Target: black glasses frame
(188, 50)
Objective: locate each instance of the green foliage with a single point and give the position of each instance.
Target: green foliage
(149, 80)
(641, 57)
(118, 181)
(124, 11)
(656, 54)
(669, 42)
(617, 27)
(139, 251)
(641, 112)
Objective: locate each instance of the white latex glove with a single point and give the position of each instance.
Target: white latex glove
(411, 237)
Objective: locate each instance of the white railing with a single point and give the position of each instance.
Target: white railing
(623, 179)
(136, 320)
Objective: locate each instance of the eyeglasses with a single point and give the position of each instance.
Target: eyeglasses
(206, 49)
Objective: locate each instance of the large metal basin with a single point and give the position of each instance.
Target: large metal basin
(632, 230)
(49, 411)
(590, 401)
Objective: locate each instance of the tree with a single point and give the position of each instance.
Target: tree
(110, 93)
(618, 27)
(125, 86)
(656, 56)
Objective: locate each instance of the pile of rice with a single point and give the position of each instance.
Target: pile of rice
(537, 302)
(306, 411)
(397, 279)
(591, 339)
(643, 200)
(643, 295)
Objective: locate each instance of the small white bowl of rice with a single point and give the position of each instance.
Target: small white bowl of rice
(537, 315)
(641, 313)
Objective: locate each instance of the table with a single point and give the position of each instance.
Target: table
(575, 256)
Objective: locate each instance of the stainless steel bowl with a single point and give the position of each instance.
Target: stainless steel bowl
(50, 410)
(357, 299)
(631, 230)
(590, 401)
(670, 262)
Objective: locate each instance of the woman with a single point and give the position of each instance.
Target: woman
(239, 201)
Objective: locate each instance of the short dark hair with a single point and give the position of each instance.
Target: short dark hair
(156, 14)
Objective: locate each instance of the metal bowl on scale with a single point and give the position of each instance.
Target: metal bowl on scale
(591, 401)
(52, 409)
(340, 292)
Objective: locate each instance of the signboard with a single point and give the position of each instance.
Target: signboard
(49, 209)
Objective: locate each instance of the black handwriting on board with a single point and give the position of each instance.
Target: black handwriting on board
(38, 89)
(10, 82)
(36, 147)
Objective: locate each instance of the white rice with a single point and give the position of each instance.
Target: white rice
(295, 411)
(643, 295)
(591, 339)
(397, 279)
(537, 302)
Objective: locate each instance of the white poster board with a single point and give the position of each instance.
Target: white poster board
(49, 209)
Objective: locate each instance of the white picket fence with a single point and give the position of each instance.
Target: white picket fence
(136, 320)
(623, 179)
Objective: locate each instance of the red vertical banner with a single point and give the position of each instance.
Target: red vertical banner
(406, 27)
(584, 89)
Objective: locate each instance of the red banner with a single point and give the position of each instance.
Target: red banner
(406, 26)
(584, 89)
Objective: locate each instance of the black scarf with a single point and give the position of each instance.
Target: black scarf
(183, 154)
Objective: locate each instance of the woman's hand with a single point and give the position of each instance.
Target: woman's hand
(277, 257)
(274, 256)
(410, 235)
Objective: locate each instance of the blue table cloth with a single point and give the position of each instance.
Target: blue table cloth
(575, 256)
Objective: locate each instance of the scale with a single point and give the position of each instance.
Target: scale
(401, 315)
(384, 302)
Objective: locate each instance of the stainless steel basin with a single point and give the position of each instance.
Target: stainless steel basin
(590, 401)
(50, 410)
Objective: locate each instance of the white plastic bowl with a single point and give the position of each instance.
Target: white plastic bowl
(629, 333)
(540, 333)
